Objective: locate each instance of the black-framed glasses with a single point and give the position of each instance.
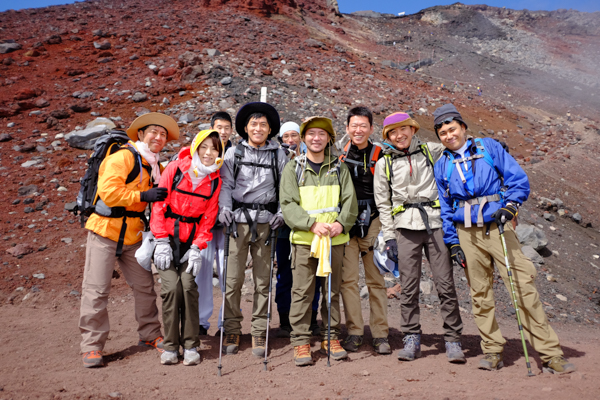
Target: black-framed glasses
(444, 122)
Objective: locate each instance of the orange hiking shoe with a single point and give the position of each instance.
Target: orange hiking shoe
(156, 343)
(93, 359)
(337, 351)
(302, 355)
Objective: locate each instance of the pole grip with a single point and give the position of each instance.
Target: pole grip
(227, 234)
(501, 228)
(273, 247)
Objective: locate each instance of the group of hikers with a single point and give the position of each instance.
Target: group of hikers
(321, 213)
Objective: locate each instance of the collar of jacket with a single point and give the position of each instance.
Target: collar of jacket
(355, 150)
(269, 145)
(414, 146)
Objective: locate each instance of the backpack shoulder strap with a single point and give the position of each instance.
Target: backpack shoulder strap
(239, 153)
(375, 151)
(425, 150)
(137, 167)
(449, 165)
(275, 166)
(345, 151)
(487, 157)
(298, 170)
(388, 167)
(176, 179)
(215, 185)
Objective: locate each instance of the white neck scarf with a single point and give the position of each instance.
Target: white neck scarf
(199, 171)
(151, 158)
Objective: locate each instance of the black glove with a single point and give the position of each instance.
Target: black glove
(391, 248)
(458, 255)
(503, 144)
(505, 214)
(154, 194)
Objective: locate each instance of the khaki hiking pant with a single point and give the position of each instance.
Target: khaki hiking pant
(410, 254)
(179, 294)
(304, 269)
(480, 250)
(236, 273)
(363, 247)
(100, 262)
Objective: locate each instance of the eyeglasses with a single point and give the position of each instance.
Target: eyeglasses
(444, 122)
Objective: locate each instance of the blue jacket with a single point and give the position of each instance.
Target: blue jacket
(485, 181)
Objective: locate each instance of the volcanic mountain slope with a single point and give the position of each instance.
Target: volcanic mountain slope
(63, 66)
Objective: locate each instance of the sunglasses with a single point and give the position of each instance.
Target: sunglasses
(444, 122)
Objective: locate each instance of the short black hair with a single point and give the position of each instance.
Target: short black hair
(143, 129)
(221, 115)
(360, 111)
(256, 115)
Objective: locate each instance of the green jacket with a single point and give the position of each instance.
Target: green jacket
(302, 192)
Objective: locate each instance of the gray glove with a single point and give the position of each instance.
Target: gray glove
(192, 256)
(163, 254)
(226, 217)
(276, 221)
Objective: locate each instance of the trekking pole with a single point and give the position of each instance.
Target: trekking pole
(273, 237)
(329, 311)
(223, 288)
(514, 297)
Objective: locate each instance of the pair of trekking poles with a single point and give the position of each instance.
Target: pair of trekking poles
(514, 298)
(273, 236)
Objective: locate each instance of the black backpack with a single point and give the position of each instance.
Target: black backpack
(106, 145)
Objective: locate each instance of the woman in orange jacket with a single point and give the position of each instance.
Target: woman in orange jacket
(182, 226)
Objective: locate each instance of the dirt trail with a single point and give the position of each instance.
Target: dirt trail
(39, 359)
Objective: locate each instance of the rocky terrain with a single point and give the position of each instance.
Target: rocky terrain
(69, 72)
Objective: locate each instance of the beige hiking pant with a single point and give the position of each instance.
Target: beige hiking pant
(479, 250)
(236, 273)
(100, 262)
(363, 247)
(304, 269)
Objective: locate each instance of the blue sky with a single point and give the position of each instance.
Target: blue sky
(411, 7)
(386, 6)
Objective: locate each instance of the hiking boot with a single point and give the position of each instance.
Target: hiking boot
(302, 355)
(93, 359)
(352, 343)
(491, 361)
(382, 346)
(337, 351)
(191, 356)
(558, 365)
(169, 357)
(285, 328)
(412, 348)
(156, 343)
(231, 344)
(203, 331)
(314, 325)
(258, 346)
(455, 353)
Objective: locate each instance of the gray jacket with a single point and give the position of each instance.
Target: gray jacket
(254, 184)
(407, 188)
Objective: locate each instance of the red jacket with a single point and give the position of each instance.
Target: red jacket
(186, 205)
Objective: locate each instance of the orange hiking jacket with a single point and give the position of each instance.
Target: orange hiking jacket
(115, 193)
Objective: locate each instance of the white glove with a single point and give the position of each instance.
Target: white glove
(163, 254)
(194, 260)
